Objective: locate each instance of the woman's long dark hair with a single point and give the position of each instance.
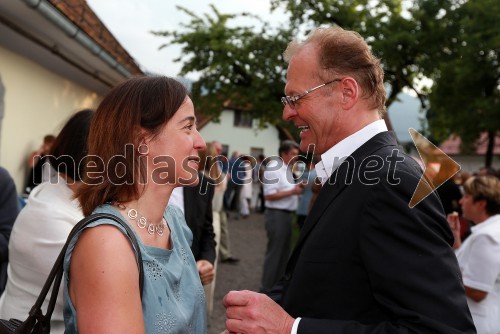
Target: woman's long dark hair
(141, 103)
(70, 147)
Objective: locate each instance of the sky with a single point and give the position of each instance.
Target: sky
(131, 21)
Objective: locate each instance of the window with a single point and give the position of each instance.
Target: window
(256, 151)
(242, 119)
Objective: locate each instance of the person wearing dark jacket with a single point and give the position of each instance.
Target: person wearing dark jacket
(9, 208)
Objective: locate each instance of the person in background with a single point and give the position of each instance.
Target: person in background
(484, 171)
(35, 163)
(281, 195)
(142, 144)
(246, 187)
(364, 262)
(43, 225)
(221, 158)
(460, 177)
(258, 174)
(225, 253)
(236, 172)
(465, 225)
(212, 172)
(9, 208)
(305, 198)
(478, 256)
(449, 194)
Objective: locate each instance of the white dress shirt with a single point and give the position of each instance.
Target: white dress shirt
(278, 180)
(331, 159)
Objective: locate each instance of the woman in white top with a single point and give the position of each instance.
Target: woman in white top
(42, 227)
(479, 255)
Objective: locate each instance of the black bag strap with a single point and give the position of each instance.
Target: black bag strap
(56, 273)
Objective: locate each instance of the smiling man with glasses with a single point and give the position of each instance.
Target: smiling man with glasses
(364, 262)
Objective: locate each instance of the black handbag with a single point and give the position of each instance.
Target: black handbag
(37, 322)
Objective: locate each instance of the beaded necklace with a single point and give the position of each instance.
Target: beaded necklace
(143, 222)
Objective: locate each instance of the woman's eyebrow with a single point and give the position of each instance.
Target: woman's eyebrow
(189, 118)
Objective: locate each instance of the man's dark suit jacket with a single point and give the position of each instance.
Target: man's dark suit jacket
(367, 263)
(198, 214)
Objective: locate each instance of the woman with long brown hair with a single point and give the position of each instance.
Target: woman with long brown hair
(143, 143)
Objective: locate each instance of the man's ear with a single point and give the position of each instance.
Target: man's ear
(350, 92)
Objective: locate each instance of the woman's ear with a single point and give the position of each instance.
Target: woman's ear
(350, 92)
(143, 138)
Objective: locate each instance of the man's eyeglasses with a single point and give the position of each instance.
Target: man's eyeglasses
(290, 100)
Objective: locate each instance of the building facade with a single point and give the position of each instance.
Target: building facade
(56, 57)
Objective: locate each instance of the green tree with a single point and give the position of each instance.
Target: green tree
(240, 66)
(465, 99)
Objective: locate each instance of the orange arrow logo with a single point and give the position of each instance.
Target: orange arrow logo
(438, 167)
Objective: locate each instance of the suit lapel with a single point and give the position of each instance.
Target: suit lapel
(336, 184)
(330, 190)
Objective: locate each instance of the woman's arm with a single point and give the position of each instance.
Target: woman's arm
(104, 283)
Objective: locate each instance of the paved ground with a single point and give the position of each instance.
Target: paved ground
(248, 243)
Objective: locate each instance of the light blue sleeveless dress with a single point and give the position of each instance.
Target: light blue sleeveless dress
(173, 299)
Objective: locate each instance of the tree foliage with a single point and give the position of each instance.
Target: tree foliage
(240, 66)
(465, 99)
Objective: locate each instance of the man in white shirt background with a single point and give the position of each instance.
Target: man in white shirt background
(281, 200)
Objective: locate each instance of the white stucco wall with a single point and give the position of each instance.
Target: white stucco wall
(241, 139)
(36, 102)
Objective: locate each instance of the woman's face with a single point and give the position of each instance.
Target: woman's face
(470, 208)
(173, 153)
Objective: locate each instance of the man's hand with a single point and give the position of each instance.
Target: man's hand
(206, 271)
(454, 222)
(252, 312)
(299, 188)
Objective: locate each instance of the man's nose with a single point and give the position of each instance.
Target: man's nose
(288, 113)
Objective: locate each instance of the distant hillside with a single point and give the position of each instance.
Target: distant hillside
(405, 114)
